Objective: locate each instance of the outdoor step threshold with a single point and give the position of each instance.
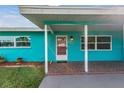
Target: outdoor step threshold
(89, 73)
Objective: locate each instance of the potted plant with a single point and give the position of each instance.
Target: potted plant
(2, 59)
(19, 60)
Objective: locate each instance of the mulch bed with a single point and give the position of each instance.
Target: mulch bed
(21, 64)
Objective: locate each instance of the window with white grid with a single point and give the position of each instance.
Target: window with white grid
(6, 41)
(98, 42)
(15, 41)
(23, 41)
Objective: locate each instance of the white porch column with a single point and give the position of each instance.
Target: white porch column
(86, 48)
(46, 49)
(123, 44)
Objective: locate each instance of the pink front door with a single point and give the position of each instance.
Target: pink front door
(61, 46)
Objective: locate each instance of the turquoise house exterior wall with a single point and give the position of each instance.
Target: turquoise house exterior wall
(116, 54)
(35, 53)
(75, 54)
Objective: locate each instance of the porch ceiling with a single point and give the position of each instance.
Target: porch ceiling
(66, 19)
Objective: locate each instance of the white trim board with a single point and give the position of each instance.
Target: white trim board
(75, 6)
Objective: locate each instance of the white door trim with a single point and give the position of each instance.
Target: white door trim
(66, 47)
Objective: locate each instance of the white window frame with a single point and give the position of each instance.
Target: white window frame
(14, 39)
(105, 42)
(10, 46)
(22, 46)
(88, 43)
(97, 42)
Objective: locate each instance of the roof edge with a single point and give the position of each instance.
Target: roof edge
(25, 29)
(73, 6)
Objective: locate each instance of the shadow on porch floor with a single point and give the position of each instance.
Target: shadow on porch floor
(78, 68)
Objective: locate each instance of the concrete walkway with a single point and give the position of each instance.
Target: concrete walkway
(84, 81)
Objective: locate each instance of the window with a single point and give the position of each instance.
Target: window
(15, 41)
(23, 41)
(103, 42)
(6, 41)
(91, 42)
(97, 42)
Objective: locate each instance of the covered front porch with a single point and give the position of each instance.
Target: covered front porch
(87, 34)
(86, 57)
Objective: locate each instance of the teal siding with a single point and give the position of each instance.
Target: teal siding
(76, 54)
(117, 47)
(36, 52)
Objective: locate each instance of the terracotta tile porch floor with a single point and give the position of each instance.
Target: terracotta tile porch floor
(78, 68)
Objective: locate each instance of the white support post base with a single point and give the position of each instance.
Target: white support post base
(86, 48)
(46, 49)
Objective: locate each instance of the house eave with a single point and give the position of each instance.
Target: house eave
(41, 15)
(72, 10)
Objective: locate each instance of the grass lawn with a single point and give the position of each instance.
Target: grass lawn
(21, 77)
